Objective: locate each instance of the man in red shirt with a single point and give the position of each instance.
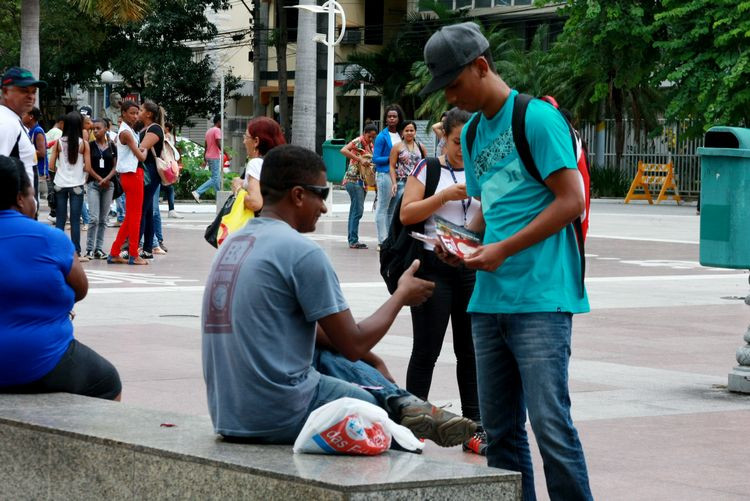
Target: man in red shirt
(213, 159)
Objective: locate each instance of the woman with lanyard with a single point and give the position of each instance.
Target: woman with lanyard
(453, 285)
(129, 159)
(381, 154)
(100, 188)
(152, 142)
(404, 157)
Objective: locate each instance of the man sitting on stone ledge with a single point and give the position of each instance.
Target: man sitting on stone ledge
(268, 289)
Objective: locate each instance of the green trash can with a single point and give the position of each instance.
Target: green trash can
(725, 198)
(334, 160)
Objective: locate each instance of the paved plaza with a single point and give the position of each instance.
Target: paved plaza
(648, 371)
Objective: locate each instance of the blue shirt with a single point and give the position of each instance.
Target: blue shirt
(35, 328)
(545, 277)
(41, 165)
(267, 288)
(381, 151)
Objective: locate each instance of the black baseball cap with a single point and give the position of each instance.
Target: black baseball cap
(21, 77)
(449, 50)
(86, 111)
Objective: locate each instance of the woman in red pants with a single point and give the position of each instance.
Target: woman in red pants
(130, 169)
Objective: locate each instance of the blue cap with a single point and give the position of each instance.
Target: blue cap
(21, 77)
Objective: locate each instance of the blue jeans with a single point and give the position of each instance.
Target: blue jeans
(75, 195)
(120, 203)
(99, 202)
(339, 378)
(522, 363)
(214, 165)
(386, 205)
(356, 209)
(158, 237)
(147, 216)
(85, 216)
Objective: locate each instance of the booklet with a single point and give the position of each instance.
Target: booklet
(457, 239)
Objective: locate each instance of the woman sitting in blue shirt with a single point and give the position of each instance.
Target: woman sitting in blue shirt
(42, 280)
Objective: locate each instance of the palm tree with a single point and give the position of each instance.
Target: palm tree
(118, 12)
(304, 112)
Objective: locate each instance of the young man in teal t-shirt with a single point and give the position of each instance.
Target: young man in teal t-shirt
(529, 274)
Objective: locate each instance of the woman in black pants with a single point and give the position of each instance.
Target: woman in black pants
(151, 143)
(453, 286)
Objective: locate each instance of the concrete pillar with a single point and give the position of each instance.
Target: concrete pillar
(739, 378)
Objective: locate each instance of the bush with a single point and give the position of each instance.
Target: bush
(194, 174)
(609, 181)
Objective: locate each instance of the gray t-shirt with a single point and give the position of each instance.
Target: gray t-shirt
(267, 288)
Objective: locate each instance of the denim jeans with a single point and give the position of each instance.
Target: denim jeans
(522, 363)
(85, 215)
(120, 203)
(339, 377)
(356, 209)
(99, 202)
(214, 165)
(147, 214)
(169, 194)
(386, 205)
(75, 195)
(158, 237)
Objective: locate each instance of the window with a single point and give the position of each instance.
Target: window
(477, 4)
(374, 18)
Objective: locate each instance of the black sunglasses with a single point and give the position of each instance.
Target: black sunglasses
(321, 191)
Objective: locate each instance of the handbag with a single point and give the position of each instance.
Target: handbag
(236, 219)
(212, 230)
(117, 187)
(166, 165)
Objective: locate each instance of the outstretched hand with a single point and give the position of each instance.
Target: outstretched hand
(415, 291)
(445, 256)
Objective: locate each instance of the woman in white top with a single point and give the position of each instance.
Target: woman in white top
(453, 285)
(70, 161)
(130, 170)
(262, 134)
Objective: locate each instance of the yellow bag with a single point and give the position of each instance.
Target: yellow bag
(236, 219)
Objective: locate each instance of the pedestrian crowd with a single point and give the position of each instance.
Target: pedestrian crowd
(277, 331)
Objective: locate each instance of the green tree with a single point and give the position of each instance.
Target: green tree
(155, 61)
(705, 49)
(604, 61)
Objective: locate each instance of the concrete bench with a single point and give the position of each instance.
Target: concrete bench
(61, 446)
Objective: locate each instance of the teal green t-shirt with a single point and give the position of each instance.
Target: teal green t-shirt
(545, 277)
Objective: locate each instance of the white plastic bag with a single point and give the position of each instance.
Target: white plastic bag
(351, 426)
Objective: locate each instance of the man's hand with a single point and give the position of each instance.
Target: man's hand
(487, 257)
(414, 291)
(445, 256)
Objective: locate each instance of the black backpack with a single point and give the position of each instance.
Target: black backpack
(399, 250)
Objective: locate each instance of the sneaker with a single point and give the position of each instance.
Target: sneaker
(144, 255)
(100, 254)
(52, 219)
(163, 247)
(427, 421)
(196, 196)
(358, 245)
(477, 444)
(89, 255)
(157, 250)
(175, 215)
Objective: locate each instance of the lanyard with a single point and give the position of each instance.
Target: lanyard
(464, 205)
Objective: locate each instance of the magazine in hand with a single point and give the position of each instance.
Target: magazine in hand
(457, 239)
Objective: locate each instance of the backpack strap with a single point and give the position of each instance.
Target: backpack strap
(520, 106)
(471, 131)
(14, 153)
(432, 164)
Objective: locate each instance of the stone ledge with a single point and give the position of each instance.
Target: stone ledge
(66, 446)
